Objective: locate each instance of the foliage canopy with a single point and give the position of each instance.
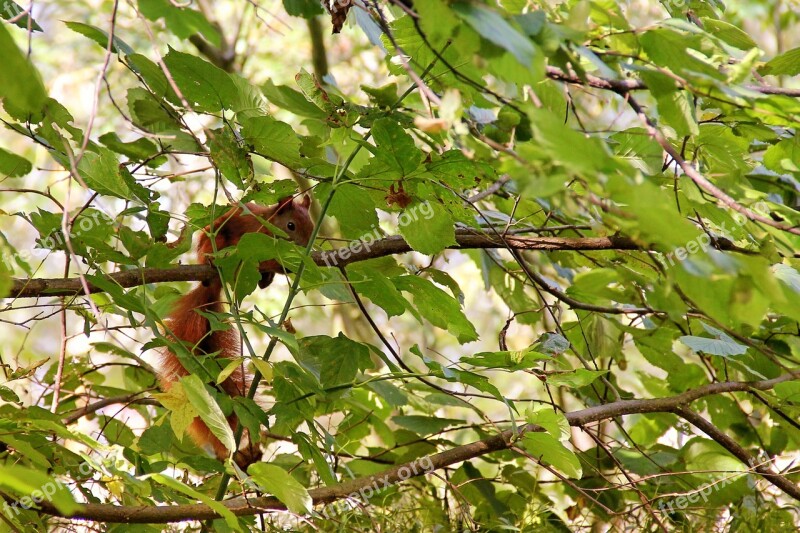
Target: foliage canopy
(555, 285)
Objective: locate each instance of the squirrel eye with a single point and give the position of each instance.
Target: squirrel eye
(290, 226)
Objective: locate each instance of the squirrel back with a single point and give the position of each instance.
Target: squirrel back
(194, 330)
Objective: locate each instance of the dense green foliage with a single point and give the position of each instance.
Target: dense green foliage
(634, 170)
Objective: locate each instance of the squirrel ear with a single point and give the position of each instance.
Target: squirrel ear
(284, 203)
(305, 201)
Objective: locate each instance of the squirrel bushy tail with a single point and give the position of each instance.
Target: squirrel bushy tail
(186, 324)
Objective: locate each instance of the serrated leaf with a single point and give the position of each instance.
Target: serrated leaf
(103, 173)
(282, 485)
(723, 346)
(334, 360)
(396, 148)
(788, 275)
(27, 482)
(100, 37)
(729, 33)
(438, 307)
(428, 228)
(21, 87)
(12, 165)
(205, 87)
(207, 409)
(273, 139)
(786, 64)
(496, 29)
(230, 158)
(547, 448)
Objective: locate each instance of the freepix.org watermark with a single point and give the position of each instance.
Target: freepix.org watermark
(361, 497)
(703, 241)
(42, 494)
(365, 242)
(682, 502)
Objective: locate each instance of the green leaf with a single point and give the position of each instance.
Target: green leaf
(303, 8)
(208, 409)
(579, 378)
(6, 394)
(729, 33)
(273, 139)
(217, 506)
(437, 20)
(102, 172)
(12, 165)
(788, 391)
(723, 345)
(783, 156)
(205, 87)
(30, 485)
(561, 143)
(12, 11)
(547, 448)
(396, 148)
(354, 210)
(786, 64)
(669, 47)
(788, 275)
(428, 227)
(287, 98)
(334, 360)
(182, 21)
(496, 29)
(677, 110)
(100, 37)
(552, 421)
(374, 284)
(282, 485)
(230, 158)
(21, 87)
(138, 150)
(438, 307)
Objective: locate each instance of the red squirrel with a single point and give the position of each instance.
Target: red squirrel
(185, 324)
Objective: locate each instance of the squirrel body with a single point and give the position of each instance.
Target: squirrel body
(194, 330)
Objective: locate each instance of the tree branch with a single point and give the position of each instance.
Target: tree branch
(248, 506)
(625, 86)
(700, 180)
(465, 239)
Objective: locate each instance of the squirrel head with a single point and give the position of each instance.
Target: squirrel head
(293, 218)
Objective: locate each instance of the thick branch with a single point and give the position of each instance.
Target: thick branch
(504, 440)
(466, 239)
(700, 180)
(740, 453)
(624, 86)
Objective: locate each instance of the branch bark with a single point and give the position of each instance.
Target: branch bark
(465, 239)
(248, 506)
(625, 86)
